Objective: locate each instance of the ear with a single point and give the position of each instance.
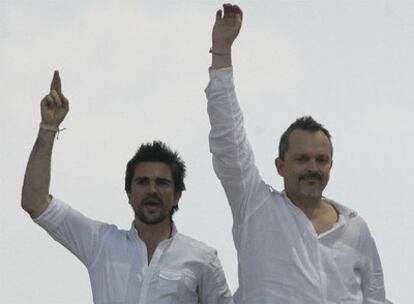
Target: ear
(129, 197)
(280, 166)
(177, 196)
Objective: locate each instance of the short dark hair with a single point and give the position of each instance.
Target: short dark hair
(158, 151)
(306, 123)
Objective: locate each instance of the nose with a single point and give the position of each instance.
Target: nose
(312, 165)
(152, 187)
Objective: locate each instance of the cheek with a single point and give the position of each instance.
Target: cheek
(172, 197)
(294, 171)
(291, 178)
(327, 170)
(135, 195)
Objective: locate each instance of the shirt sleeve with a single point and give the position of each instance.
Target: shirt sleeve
(372, 282)
(233, 159)
(214, 288)
(79, 234)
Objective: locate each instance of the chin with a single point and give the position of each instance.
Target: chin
(312, 194)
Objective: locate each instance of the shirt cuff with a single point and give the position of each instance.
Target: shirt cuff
(221, 78)
(53, 216)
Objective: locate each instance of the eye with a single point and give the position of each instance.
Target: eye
(301, 158)
(142, 181)
(322, 159)
(162, 182)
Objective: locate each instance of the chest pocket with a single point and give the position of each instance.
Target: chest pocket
(177, 287)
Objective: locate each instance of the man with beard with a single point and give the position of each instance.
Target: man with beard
(294, 246)
(149, 264)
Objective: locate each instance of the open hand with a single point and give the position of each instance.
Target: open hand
(226, 27)
(54, 106)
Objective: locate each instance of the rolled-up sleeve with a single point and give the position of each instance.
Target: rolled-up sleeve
(79, 234)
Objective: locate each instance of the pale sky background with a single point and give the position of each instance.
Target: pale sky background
(135, 71)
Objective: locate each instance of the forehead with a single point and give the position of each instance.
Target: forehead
(152, 170)
(303, 141)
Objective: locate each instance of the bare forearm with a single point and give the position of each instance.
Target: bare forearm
(53, 109)
(221, 57)
(37, 177)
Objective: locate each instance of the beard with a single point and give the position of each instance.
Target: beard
(151, 219)
(312, 192)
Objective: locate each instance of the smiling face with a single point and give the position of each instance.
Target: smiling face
(306, 165)
(152, 194)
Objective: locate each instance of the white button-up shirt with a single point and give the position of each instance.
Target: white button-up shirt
(182, 270)
(281, 258)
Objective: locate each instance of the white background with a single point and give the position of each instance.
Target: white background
(135, 71)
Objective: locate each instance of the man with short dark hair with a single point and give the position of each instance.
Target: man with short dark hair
(156, 152)
(294, 246)
(149, 264)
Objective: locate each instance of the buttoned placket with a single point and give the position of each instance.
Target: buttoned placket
(322, 275)
(150, 269)
(312, 240)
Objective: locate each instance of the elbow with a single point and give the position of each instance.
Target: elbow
(27, 206)
(34, 207)
(25, 201)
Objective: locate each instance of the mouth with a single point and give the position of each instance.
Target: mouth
(152, 203)
(151, 207)
(311, 178)
(312, 182)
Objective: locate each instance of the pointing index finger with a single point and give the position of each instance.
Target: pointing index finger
(56, 84)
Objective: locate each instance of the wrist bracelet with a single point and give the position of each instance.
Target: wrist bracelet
(216, 53)
(51, 128)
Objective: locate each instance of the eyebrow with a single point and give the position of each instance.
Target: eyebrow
(160, 179)
(307, 155)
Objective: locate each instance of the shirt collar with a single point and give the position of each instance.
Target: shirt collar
(133, 232)
(343, 210)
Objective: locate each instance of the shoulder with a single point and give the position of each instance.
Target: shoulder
(196, 247)
(112, 232)
(354, 222)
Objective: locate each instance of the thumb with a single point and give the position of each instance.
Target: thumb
(218, 15)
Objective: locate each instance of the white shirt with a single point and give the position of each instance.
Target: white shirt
(182, 270)
(281, 258)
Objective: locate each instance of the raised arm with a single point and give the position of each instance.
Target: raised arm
(233, 158)
(225, 30)
(53, 109)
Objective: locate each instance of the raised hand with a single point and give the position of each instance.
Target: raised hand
(54, 106)
(226, 28)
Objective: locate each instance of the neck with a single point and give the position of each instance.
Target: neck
(153, 234)
(308, 206)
